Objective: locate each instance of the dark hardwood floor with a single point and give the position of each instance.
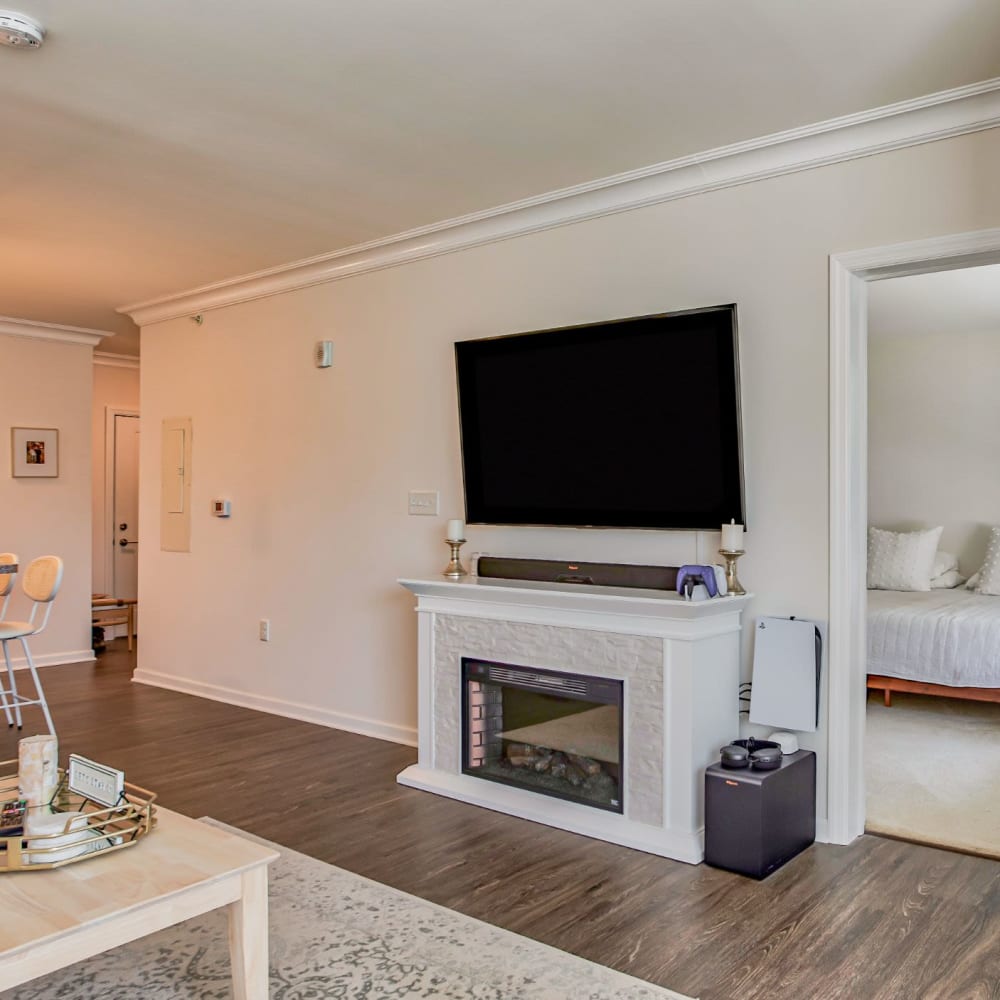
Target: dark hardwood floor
(878, 920)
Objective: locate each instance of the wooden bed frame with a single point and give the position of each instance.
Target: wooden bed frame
(877, 682)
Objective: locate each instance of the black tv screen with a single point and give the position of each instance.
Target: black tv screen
(633, 423)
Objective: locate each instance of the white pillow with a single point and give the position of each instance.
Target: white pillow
(946, 581)
(973, 582)
(901, 560)
(989, 575)
(944, 562)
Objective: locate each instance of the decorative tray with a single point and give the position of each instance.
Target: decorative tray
(90, 830)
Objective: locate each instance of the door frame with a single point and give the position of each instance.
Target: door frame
(850, 274)
(110, 413)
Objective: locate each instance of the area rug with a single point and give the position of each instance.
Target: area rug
(932, 772)
(337, 936)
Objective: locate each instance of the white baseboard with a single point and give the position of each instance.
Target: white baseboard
(50, 659)
(278, 706)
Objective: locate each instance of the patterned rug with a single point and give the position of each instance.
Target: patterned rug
(337, 936)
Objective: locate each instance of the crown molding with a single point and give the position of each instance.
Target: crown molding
(106, 359)
(51, 331)
(895, 126)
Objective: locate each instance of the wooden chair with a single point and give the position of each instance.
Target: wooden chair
(105, 611)
(41, 583)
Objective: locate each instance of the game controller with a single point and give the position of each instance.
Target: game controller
(713, 578)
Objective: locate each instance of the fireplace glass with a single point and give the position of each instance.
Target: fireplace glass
(555, 733)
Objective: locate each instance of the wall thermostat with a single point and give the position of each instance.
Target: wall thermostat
(221, 508)
(324, 353)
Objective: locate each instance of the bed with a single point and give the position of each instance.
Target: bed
(938, 642)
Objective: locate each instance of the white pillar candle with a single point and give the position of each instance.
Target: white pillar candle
(38, 769)
(456, 530)
(732, 537)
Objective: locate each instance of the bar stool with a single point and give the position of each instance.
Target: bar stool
(7, 578)
(41, 583)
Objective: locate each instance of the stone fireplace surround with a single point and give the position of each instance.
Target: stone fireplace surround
(679, 661)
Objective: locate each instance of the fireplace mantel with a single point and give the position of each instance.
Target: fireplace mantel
(680, 663)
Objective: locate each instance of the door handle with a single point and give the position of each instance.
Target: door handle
(124, 541)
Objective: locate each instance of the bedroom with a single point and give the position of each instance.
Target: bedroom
(933, 758)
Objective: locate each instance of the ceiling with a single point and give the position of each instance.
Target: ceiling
(927, 305)
(152, 147)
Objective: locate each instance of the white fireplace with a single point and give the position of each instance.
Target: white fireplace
(678, 662)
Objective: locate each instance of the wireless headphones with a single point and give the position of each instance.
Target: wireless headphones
(762, 755)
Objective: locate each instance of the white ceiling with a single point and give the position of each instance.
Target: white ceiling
(152, 147)
(927, 305)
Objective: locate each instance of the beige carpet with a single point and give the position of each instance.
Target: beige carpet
(932, 771)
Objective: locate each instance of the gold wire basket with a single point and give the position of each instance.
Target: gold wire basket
(105, 829)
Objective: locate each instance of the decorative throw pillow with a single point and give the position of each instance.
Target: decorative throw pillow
(901, 560)
(973, 582)
(989, 575)
(946, 581)
(944, 562)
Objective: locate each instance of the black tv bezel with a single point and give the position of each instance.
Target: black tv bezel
(477, 512)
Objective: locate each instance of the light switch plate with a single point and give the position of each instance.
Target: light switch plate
(423, 502)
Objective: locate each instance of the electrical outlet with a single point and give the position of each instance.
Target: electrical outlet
(265, 630)
(94, 781)
(423, 502)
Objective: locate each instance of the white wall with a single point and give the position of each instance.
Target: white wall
(117, 388)
(933, 414)
(318, 463)
(48, 384)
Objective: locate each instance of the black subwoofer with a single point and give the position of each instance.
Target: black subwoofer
(756, 820)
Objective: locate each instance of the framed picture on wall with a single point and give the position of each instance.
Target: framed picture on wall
(34, 452)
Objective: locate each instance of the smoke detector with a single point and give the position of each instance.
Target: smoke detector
(20, 31)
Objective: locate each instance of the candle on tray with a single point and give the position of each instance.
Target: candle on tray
(732, 537)
(456, 530)
(38, 769)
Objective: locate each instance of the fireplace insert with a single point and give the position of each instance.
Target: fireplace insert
(555, 733)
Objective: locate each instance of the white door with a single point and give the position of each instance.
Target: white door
(125, 505)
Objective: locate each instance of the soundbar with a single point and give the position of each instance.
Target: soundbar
(594, 574)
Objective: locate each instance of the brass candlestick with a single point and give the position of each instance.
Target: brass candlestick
(455, 570)
(733, 584)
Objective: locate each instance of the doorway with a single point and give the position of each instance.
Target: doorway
(121, 514)
(932, 739)
(849, 277)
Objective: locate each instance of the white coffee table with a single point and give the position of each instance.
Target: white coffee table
(182, 869)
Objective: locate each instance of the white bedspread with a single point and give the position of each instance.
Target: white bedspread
(942, 637)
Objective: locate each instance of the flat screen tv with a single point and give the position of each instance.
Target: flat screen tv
(633, 423)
